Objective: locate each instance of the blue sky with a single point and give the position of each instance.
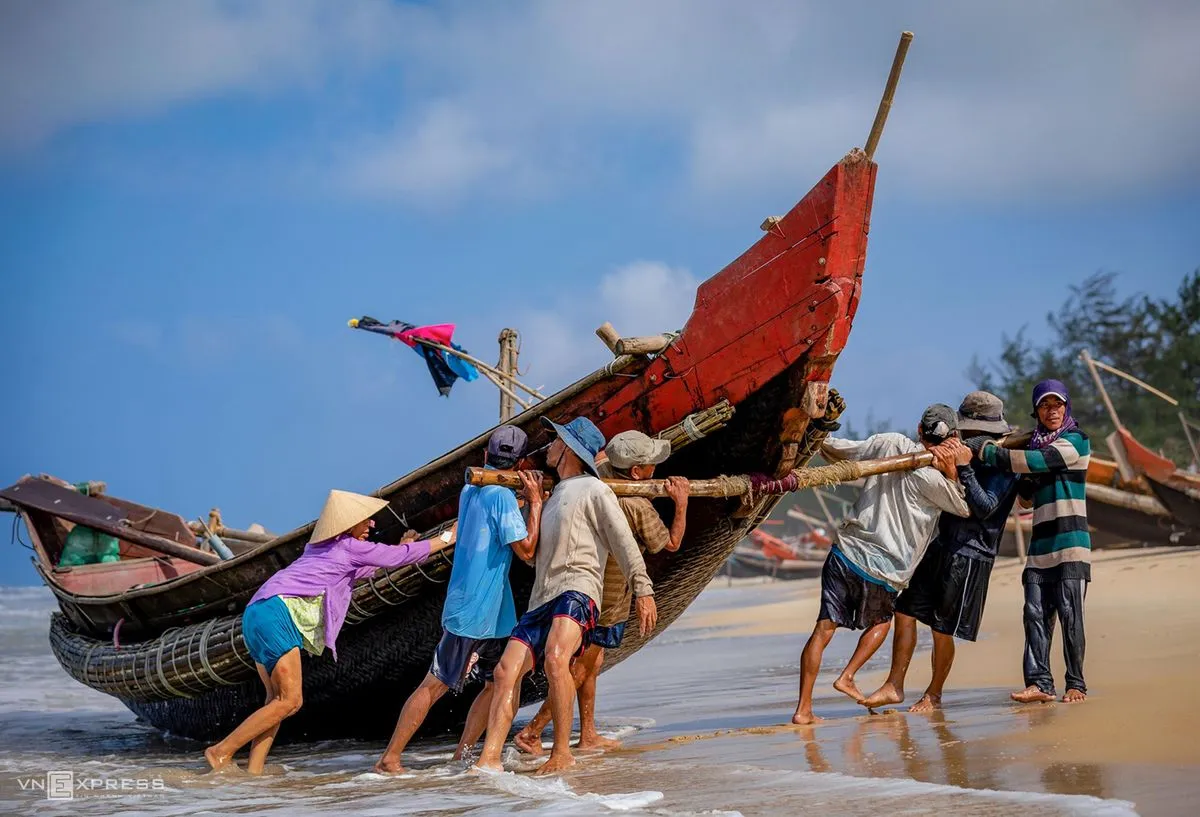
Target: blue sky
(195, 196)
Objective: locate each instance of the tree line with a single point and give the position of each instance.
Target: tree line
(1154, 339)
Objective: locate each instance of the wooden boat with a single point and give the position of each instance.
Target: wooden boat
(1178, 490)
(761, 554)
(161, 630)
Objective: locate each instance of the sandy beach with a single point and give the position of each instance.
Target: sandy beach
(1134, 739)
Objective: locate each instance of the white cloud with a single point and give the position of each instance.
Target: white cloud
(639, 298)
(441, 157)
(1076, 98)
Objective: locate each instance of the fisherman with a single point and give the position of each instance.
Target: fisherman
(479, 613)
(949, 587)
(630, 455)
(878, 545)
(304, 606)
(1058, 566)
(582, 524)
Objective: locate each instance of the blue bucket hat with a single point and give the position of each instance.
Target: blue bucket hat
(582, 437)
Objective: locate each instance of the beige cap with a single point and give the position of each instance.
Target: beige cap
(630, 448)
(343, 510)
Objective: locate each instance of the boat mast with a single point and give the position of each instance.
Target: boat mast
(889, 91)
(508, 368)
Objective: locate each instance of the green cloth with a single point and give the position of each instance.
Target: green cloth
(308, 614)
(86, 546)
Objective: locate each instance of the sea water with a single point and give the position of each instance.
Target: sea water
(696, 710)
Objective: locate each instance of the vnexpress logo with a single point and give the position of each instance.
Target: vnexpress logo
(60, 785)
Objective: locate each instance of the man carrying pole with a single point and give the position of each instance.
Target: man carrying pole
(631, 455)
(582, 524)
(878, 546)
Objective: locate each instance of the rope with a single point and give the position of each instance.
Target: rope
(378, 595)
(427, 576)
(689, 428)
(394, 586)
(162, 642)
(206, 633)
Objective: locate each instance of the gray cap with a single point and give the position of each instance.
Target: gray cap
(630, 448)
(507, 442)
(938, 423)
(982, 411)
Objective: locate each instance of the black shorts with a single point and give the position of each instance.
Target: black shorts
(849, 600)
(947, 592)
(457, 655)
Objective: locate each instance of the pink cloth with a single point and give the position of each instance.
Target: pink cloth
(442, 333)
(332, 567)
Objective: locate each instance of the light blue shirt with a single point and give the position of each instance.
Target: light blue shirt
(479, 601)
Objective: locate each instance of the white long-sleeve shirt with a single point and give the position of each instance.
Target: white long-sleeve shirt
(896, 515)
(582, 524)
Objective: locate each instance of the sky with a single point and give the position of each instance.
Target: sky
(195, 196)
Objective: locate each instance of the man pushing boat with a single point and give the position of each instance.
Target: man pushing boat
(582, 524)
(479, 613)
(630, 455)
(878, 545)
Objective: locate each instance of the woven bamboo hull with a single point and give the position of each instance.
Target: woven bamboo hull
(764, 335)
(382, 658)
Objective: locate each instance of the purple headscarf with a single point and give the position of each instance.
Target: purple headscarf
(1042, 436)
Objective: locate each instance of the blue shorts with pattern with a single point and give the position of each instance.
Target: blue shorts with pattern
(534, 627)
(608, 637)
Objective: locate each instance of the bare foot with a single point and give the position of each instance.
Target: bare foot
(216, 762)
(529, 743)
(847, 687)
(487, 766)
(387, 765)
(889, 693)
(558, 762)
(595, 741)
(928, 703)
(1031, 695)
(805, 718)
(1074, 696)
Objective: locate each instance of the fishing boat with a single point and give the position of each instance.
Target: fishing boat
(160, 628)
(762, 554)
(1176, 489)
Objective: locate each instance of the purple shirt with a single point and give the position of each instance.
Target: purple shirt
(332, 567)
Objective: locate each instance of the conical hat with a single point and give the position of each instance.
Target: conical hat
(343, 510)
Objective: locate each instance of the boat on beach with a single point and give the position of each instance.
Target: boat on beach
(160, 629)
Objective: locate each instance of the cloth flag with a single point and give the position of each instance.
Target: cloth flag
(443, 368)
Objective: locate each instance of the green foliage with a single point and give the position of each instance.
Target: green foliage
(1157, 341)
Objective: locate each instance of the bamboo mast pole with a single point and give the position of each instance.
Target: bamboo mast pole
(507, 366)
(483, 367)
(1108, 404)
(889, 92)
(1187, 432)
(1114, 370)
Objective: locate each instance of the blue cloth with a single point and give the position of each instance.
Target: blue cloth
(858, 571)
(608, 637)
(534, 628)
(479, 601)
(456, 657)
(269, 632)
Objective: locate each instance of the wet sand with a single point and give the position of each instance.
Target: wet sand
(1135, 739)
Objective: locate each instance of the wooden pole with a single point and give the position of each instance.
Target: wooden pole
(1187, 432)
(483, 367)
(643, 346)
(610, 336)
(508, 367)
(889, 92)
(1114, 370)
(825, 511)
(1019, 533)
(1108, 404)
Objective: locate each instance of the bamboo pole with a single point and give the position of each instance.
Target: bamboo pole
(1114, 370)
(730, 486)
(198, 528)
(1187, 432)
(483, 367)
(889, 92)
(609, 335)
(698, 425)
(649, 345)
(507, 365)
(1108, 404)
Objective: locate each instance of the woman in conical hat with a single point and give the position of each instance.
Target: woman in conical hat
(304, 606)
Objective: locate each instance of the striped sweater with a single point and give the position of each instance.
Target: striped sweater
(1060, 547)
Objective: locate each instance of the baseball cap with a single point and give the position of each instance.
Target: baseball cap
(938, 422)
(507, 442)
(630, 448)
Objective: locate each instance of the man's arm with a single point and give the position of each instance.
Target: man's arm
(526, 547)
(835, 450)
(943, 493)
(614, 531)
(982, 502)
(677, 489)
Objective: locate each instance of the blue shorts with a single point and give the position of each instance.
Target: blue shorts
(608, 637)
(534, 627)
(457, 655)
(269, 632)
